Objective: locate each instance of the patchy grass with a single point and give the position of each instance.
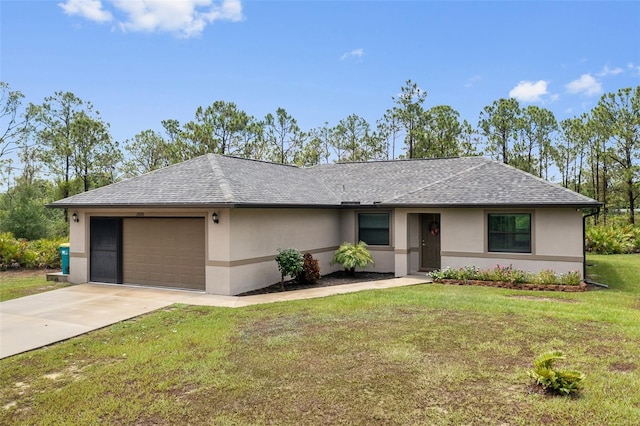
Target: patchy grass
(429, 354)
(619, 271)
(14, 284)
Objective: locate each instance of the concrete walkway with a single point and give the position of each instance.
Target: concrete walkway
(35, 321)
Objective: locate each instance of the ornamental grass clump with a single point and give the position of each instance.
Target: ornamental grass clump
(552, 380)
(352, 256)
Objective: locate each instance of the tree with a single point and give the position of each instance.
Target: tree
(537, 126)
(13, 125)
(290, 262)
(74, 142)
(148, 151)
(388, 129)
(283, 136)
(95, 156)
(217, 129)
(499, 125)
(321, 138)
(569, 156)
(176, 149)
(618, 119)
(311, 153)
(352, 136)
(23, 211)
(441, 133)
(54, 119)
(468, 140)
(252, 141)
(409, 114)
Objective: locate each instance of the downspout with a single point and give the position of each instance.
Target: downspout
(584, 249)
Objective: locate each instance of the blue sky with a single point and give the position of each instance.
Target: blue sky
(140, 61)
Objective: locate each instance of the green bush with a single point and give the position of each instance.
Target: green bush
(11, 251)
(612, 239)
(352, 256)
(289, 263)
(560, 382)
(310, 272)
(20, 253)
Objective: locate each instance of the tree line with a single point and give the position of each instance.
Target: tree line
(64, 146)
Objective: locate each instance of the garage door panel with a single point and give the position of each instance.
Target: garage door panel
(165, 252)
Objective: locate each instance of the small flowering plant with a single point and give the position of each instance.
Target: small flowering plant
(506, 274)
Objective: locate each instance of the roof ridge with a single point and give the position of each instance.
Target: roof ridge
(223, 183)
(484, 163)
(256, 160)
(396, 160)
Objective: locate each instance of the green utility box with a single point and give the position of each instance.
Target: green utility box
(64, 258)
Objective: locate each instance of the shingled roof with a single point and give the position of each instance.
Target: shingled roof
(215, 180)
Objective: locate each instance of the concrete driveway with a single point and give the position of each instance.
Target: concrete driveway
(35, 321)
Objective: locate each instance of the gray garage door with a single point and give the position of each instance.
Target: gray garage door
(164, 252)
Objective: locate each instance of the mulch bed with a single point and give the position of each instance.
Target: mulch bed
(334, 278)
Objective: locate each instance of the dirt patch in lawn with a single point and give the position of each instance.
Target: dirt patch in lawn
(334, 278)
(544, 299)
(623, 367)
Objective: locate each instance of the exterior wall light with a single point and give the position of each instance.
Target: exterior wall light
(214, 216)
(75, 217)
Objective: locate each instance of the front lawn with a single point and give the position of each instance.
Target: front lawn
(14, 284)
(427, 354)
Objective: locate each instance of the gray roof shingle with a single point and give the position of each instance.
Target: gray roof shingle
(215, 180)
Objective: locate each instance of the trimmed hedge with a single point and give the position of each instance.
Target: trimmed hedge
(36, 254)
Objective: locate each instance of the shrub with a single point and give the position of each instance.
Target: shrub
(289, 263)
(352, 256)
(11, 251)
(46, 253)
(20, 253)
(310, 272)
(560, 382)
(610, 239)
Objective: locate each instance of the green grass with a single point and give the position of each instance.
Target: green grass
(24, 283)
(428, 354)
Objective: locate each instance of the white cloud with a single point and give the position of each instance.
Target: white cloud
(90, 9)
(185, 18)
(586, 85)
(473, 80)
(355, 53)
(529, 91)
(634, 68)
(610, 71)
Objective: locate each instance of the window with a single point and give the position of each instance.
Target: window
(510, 232)
(373, 228)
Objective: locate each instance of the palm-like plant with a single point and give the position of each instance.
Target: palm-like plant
(352, 256)
(562, 382)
